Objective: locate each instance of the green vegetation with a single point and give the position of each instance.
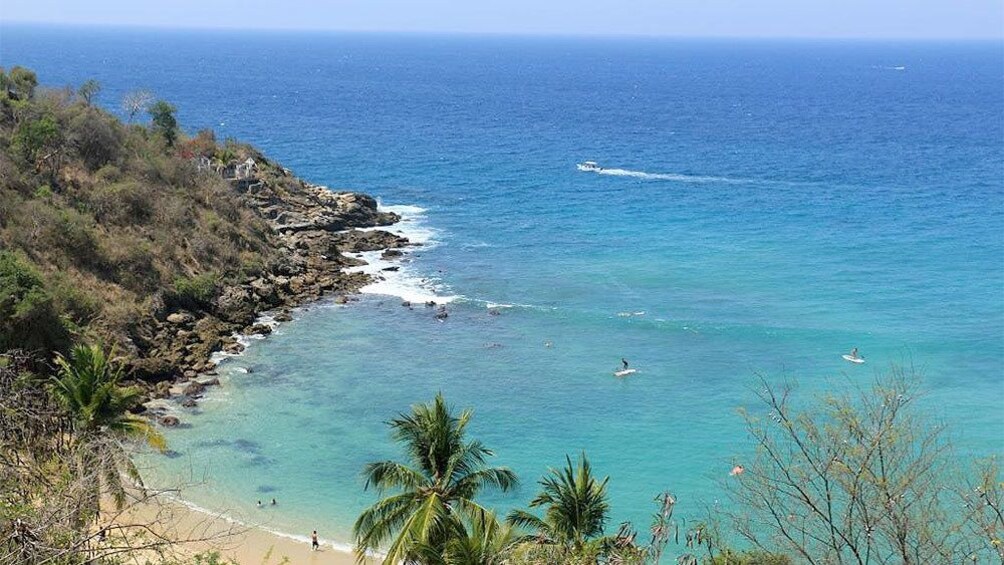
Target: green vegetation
(164, 121)
(104, 227)
(103, 224)
(575, 508)
(30, 319)
(859, 479)
(436, 494)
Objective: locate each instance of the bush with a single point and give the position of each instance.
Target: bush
(33, 138)
(71, 296)
(122, 204)
(196, 290)
(97, 139)
(28, 318)
(756, 557)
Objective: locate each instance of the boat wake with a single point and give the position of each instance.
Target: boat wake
(664, 176)
(593, 167)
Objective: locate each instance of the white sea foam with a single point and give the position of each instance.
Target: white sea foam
(406, 283)
(664, 176)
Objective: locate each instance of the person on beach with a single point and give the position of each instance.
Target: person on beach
(314, 545)
(624, 361)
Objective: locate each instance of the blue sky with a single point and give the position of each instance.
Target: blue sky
(715, 18)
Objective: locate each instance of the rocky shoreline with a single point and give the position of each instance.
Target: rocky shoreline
(312, 228)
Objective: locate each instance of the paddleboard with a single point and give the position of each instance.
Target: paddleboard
(857, 360)
(625, 372)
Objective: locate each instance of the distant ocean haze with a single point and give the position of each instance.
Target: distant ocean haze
(765, 207)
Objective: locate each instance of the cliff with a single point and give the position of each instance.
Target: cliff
(157, 243)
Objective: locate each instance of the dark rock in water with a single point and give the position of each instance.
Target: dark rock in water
(367, 240)
(211, 382)
(247, 445)
(234, 347)
(169, 421)
(260, 329)
(193, 389)
(391, 254)
(283, 317)
(406, 304)
(189, 403)
(162, 390)
(390, 268)
(430, 303)
(342, 299)
(442, 314)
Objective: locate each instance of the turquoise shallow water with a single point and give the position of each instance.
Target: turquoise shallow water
(774, 205)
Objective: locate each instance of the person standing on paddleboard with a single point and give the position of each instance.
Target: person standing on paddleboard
(624, 361)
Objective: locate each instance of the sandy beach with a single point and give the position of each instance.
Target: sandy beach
(197, 531)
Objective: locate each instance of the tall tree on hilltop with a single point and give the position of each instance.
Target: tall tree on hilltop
(164, 121)
(434, 492)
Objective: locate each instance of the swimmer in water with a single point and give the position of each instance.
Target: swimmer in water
(737, 470)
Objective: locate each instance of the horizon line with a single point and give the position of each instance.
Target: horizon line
(483, 33)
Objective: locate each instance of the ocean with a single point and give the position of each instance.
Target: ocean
(765, 207)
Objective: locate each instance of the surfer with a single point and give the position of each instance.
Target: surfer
(625, 363)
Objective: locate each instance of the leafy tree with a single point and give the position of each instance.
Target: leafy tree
(434, 491)
(164, 121)
(575, 508)
(859, 479)
(136, 102)
(89, 90)
(28, 319)
(36, 140)
(21, 83)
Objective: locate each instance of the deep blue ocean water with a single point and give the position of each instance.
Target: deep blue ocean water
(772, 204)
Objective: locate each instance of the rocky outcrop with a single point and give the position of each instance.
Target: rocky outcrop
(368, 240)
(312, 228)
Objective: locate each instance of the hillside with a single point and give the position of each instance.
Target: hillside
(158, 243)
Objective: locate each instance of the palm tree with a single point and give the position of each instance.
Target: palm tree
(575, 509)
(87, 384)
(434, 492)
(488, 542)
